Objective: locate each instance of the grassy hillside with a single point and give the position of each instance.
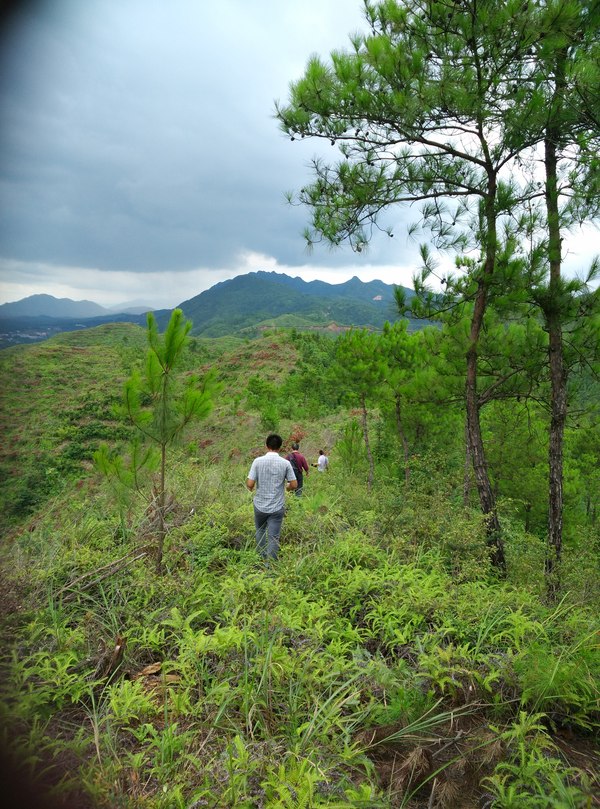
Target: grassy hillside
(378, 663)
(57, 403)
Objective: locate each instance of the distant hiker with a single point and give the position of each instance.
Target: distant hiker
(299, 465)
(269, 474)
(322, 462)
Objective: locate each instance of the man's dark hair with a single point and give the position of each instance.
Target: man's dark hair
(274, 441)
(295, 445)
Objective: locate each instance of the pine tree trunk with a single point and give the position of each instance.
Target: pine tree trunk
(402, 436)
(475, 441)
(558, 379)
(468, 470)
(162, 525)
(371, 477)
(487, 501)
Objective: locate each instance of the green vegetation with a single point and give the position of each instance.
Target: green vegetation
(429, 634)
(381, 662)
(481, 112)
(243, 305)
(160, 408)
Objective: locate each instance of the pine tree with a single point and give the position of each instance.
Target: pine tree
(448, 104)
(424, 109)
(401, 356)
(160, 406)
(360, 373)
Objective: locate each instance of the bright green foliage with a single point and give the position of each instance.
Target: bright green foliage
(381, 639)
(350, 447)
(149, 400)
(288, 687)
(312, 388)
(357, 364)
(536, 777)
(426, 109)
(583, 450)
(402, 355)
(50, 430)
(159, 407)
(454, 107)
(262, 396)
(422, 106)
(360, 372)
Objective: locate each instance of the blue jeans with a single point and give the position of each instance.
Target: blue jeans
(268, 529)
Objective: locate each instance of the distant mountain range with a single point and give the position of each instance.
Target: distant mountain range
(49, 306)
(241, 306)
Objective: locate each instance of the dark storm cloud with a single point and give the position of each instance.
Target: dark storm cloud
(139, 135)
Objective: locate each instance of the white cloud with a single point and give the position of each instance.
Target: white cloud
(169, 288)
(580, 247)
(250, 261)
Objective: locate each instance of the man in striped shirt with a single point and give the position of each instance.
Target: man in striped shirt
(269, 474)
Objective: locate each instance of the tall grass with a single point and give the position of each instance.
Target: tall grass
(295, 686)
(377, 663)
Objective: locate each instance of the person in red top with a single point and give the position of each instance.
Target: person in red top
(299, 465)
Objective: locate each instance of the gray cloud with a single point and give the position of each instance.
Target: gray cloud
(138, 135)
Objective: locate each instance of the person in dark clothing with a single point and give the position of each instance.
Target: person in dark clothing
(299, 465)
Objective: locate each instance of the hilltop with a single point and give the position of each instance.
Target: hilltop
(247, 302)
(49, 306)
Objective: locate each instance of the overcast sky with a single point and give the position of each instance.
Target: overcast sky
(139, 156)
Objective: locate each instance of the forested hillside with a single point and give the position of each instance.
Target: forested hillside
(245, 304)
(382, 661)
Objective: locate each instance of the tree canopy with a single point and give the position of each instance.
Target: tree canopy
(483, 114)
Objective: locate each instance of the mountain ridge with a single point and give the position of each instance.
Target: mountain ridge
(248, 299)
(237, 306)
(43, 305)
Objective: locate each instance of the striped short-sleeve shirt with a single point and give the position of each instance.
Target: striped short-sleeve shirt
(270, 472)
